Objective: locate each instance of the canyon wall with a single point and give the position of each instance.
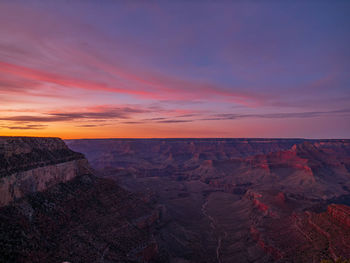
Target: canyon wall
(140, 152)
(53, 209)
(187, 200)
(238, 200)
(28, 165)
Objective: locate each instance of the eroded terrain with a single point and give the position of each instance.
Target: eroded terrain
(236, 200)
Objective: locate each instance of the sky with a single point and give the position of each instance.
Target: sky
(148, 69)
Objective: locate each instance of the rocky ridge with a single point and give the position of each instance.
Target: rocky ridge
(53, 209)
(29, 165)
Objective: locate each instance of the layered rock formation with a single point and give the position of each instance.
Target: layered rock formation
(238, 200)
(340, 213)
(158, 153)
(290, 231)
(29, 165)
(187, 200)
(24, 153)
(55, 210)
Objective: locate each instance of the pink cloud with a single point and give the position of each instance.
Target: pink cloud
(66, 81)
(48, 58)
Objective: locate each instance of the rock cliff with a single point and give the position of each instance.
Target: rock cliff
(53, 209)
(29, 165)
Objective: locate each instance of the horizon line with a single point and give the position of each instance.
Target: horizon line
(179, 138)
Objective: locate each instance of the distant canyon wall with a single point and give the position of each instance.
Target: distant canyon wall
(138, 152)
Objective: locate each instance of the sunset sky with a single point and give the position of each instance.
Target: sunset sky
(97, 69)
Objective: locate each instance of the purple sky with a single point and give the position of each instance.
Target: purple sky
(78, 69)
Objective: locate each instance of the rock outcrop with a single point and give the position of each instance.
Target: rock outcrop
(87, 219)
(29, 165)
(53, 209)
(341, 214)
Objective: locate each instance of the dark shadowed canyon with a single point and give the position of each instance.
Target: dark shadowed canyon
(174, 200)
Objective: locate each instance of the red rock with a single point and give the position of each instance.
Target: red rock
(280, 197)
(267, 248)
(261, 206)
(341, 213)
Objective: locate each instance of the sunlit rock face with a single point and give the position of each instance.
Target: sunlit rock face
(238, 200)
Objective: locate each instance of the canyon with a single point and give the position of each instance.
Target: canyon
(174, 200)
(237, 200)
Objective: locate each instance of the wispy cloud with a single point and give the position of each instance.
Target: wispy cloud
(38, 62)
(26, 127)
(174, 121)
(311, 114)
(133, 122)
(90, 125)
(61, 69)
(100, 113)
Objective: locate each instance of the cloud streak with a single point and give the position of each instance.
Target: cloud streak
(174, 68)
(102, 113)
(127, 115)
(26, 127)
(312, 114)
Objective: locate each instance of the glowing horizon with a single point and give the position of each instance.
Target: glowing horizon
(86, 69)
